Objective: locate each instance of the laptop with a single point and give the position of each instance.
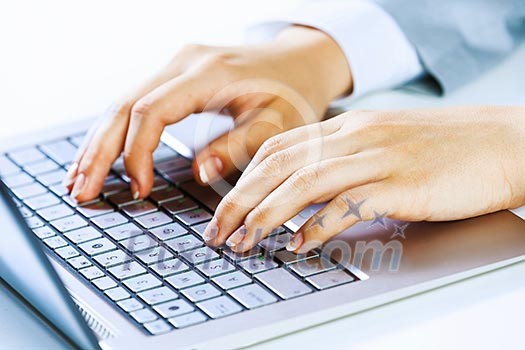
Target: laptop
(117, 273)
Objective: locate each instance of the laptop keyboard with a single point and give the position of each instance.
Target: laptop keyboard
(147, 257)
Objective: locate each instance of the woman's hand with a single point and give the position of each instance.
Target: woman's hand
(441, 164)
(268, 89)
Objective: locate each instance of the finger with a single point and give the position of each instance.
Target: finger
(169, 103)
(344, 211)
(105, 141)
(305, 186)
(265, 178)
(289, 138)
(232, 151)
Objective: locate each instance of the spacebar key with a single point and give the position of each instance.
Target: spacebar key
(282, 283)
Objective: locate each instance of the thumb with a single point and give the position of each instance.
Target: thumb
(232, 151)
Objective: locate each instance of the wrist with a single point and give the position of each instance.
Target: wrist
(314, 61)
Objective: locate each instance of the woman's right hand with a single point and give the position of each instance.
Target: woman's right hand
(267, 88)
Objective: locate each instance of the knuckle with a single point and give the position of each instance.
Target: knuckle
(192, 48)
(340, 202)
(256, 218)
(272, 145)
(218, 60)
(304, 179)
(273, 165)
(119, 109)
(141, 109)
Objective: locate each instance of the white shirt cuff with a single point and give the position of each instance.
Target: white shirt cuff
(377, 51)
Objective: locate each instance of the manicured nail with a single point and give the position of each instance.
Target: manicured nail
(296, 241)
(135, 189)
(80, 186)
(212, 230)
(237, 237)
(71, 175)
(210, 169)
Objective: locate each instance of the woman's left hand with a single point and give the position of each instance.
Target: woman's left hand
(440, 164)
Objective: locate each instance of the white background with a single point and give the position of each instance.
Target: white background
(61, 60)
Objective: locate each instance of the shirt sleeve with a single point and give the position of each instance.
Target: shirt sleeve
(377, 51)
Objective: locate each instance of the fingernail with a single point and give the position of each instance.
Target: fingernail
(236, 237)
(80, 185)
(70, 175)
(295, 242)
(135, 189)
(210, 169)
(212, 230)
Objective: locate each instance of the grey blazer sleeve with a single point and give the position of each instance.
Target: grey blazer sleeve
(457, 40)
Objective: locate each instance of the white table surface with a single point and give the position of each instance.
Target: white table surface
(63, 60)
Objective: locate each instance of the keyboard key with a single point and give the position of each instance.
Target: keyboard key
(109, 220)
(277, 242)
(59, 190)
(125, 231)
(256, 265)
(7, 167)
(17, 180)
(104, 283)
(95, 209)
(169, 267)
(159, 183)
(52, 178)
(67, 252)
(153, 220)
(180, 205)
(215, 267)
(142, 282)
(282, 283)
(199, 255)
(130, 305)
(127, 270)
(68, 224)
(44, 232)
(56, 212)
(42, 201)
(158, 295)
(114, 186)
(154, 255)
(311, 266)
(252, 296)
(82, 235)
(184, 243)
(79, 262)
(26, 156)
(122, 199)
(330, 279)
(199, 229)
(42, 167)
(61, 152)
(113, 258)
(55, 242)
(185, 280)
(201, 292)
(138, 243)
(232, 280)
(173, 164)
(28, 191)
(219, 307)
(143, 316)
(236, 257)
(157, 327)
(165, 195)
(140, 208)
(168, 231)
(91, 272)
(206, 195)
(173, 308)
(97, 246)
(194, 217)
(188, 319)
(287, 257)
(26, 213)
(163, 153)
(34, 222)
(117, 294)
(178, 177)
